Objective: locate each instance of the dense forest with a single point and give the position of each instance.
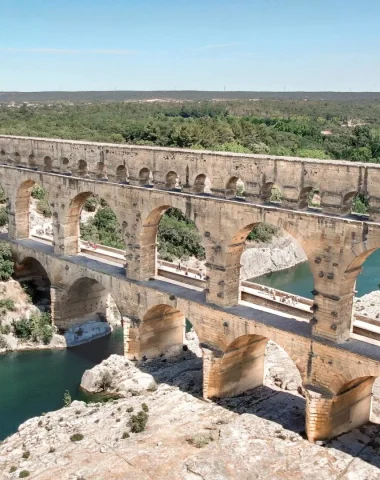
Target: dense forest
(305, 128)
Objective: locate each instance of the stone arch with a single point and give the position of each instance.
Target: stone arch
(202, 184)
(72, 221)
(22, 210)
(65, 164)
(310, 197)
(145, 177)
(82, 168)
(234, 187)
(148, 239)
(101, 171)
(87, 299)
(17, 158)
(235, 246)
(241, 367)
(34, 276)
(32, 161)
(172, 180)
(3, 156)
(347, 202)
(271, 192)
(48, 164)
(121, 174)
(162, 327)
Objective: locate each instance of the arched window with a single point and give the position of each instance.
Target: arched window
(121, 174)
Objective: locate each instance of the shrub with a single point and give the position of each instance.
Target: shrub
(3, 343)
(360, 204)
(105, 380)
(145, 407)
(3, 198)
(38, 192)
(67, 398)
(26, 454)
(125, 435)
(77, 437)
(264, 232)
(6, 262)
(24, 474)
(3, 217)
(90, 204)
(12, 469)
(5, 329)
(43, 208)
(200, 440)
(130, 409)
(138, 422)
(8, 304)
(275, 194)
(37, 328)
(51, 450)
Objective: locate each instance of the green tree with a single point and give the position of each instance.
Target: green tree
(6, 262)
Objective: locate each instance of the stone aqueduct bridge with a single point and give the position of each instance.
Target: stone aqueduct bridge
(337, 370)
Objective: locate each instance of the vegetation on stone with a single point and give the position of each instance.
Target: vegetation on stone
(263, 232)
(37, 328)
(6, 262)
(77, 437)
(138, 422)
(67, 399)
(178, 237)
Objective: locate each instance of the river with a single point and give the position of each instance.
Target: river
(298, 280)
(34, 382)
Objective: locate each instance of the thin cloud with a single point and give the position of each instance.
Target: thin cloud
(70, 51)
(216, 46)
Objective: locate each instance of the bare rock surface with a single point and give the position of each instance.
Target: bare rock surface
(86, 332)
(261, 258)
(257, 435)
(368, 305)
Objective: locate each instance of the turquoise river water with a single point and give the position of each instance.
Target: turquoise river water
(34, 382)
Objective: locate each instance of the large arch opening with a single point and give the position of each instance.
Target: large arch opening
(202, 184)
(270, 265)
(254, 367)
(33, 213)
(89, 312)
(173, 237)
(92, 228)
(34, 279)
(162, 327)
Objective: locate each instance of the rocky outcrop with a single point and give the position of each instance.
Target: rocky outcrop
(368, 305)
(257, 435)
(86, 332)
(261, 258)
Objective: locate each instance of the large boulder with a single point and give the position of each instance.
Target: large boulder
(117, 374)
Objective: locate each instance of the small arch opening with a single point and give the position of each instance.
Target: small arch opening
(235, 188)
(145, 177)
(202, 184)
(101, 171)
(82, 168)
(48, 164)
(172, 181)
(32, 161)
(121, 174)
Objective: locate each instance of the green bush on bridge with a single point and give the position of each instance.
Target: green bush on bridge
(264, 232)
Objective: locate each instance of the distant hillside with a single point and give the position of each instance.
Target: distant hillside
(119, 96)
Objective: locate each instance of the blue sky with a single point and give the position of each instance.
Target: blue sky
(190, 44)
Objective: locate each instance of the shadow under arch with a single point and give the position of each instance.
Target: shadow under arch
(32, 274)
(162, 327)
(88, 300)
(242, 366)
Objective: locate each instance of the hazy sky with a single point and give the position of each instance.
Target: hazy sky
(190, 44)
